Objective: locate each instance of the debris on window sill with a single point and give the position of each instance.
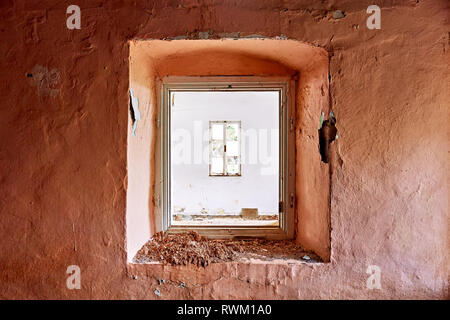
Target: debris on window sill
(191, 248)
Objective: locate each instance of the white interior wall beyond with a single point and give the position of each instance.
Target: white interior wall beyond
(193, 191)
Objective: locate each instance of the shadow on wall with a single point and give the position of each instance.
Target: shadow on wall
(327, 134)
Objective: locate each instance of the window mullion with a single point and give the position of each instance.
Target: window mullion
(225, 148)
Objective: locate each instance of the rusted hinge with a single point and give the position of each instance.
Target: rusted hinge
(291, 200)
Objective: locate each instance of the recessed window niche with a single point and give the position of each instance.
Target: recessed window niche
(306, 67)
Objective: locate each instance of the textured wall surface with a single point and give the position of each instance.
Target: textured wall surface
(63, 155)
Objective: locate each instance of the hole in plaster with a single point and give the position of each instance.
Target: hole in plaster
(327, 134)
(134, 110)
(133, 117)
(338, 14)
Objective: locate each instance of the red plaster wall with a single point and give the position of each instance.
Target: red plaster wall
(64, 135)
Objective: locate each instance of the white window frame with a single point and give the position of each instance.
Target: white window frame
(287, 205)
(224, 173)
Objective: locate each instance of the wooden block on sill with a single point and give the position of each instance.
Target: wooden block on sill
(249, 212)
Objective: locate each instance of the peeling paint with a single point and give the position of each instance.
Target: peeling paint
(45, 80)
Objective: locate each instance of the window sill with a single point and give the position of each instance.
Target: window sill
(191, 249)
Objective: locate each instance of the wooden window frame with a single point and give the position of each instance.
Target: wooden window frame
(287, 205)
(224, 172)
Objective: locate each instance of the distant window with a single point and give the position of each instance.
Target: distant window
(225, 148)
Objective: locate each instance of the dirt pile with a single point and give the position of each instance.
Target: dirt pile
(191, 248)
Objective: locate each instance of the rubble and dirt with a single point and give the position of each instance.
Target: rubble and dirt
(191, 248)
